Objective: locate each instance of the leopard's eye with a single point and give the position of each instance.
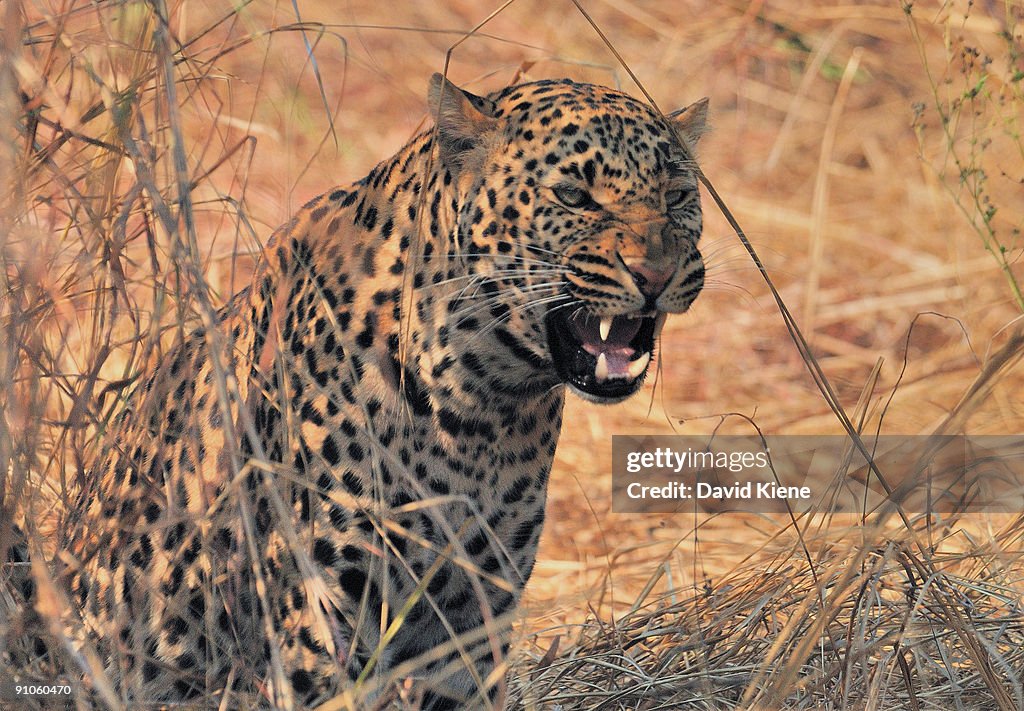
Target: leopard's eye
(675, 199)
(571, 196)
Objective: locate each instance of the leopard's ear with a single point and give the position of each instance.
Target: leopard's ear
(463, 120)
(691, 122)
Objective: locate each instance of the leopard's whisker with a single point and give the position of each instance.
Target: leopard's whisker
(479, 282)
(538, 248)
(509, 257)
(495, 277)
(505, 286)
(521, 307)
(466, 294)
(729, 288)
(479, 304)
(580, 306)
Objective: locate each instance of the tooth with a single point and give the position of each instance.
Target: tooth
(659, 323)
(606, 327)
(601, 371)
(638, 366)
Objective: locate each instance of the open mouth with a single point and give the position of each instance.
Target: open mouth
(604, 359)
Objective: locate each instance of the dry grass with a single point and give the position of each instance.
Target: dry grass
(871, 153)
(862, 624)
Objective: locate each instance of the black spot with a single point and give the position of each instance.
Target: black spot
(370, 218)
(439, 581)
(185, 689)
(365, 338)
(324, 552)
(197, 605)
(518, 349)
(523, 534)
(417, 395)
(339, 518)
(449, 421)
(176, 629)
(476, 544)
(329, 450)
(352, 581)
(589, 172)
(516, 491)
(355, 451)
(263, 516)
(352, 483)
(308, 642)
(302, 682)
(173, 583)
(141, 558)
(311, 414)
(373, 407)
(369, 266)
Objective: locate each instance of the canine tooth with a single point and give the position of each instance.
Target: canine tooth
(601, 371)
(606, 327)
(638, 366)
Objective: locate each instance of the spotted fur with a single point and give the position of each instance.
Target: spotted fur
(365, 459)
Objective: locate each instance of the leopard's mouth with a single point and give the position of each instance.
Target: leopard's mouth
(602, 359)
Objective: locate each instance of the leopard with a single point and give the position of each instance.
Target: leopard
(340, 479)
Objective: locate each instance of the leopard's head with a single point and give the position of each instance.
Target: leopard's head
(579, 217)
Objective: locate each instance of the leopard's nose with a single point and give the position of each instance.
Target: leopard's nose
(650, 278)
